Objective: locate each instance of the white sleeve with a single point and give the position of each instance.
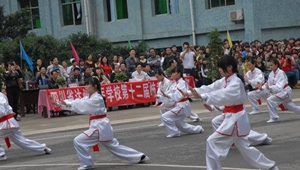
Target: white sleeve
(84, 105)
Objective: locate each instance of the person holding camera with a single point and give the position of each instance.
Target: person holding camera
(187, 58)
(13, 78)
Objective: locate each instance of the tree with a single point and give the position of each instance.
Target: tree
(14, 25)
(215, 46)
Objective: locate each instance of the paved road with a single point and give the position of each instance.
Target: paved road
(137, 128)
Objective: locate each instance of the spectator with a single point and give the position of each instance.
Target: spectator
(143, 60)
(105, 65)
(56, 66)
(72, 67)
(259, 64)
(168, 57)
(52, 81)
(187, 58)
(76, 77)
(38, 65)
(172, 64)
(82, 66)
(148, 70)
(131, 61)
(123, 69)
(113, 74)
(101, 76)
(13, 77)
(87, 73)
(286, 64)
(153, 59)
(89, 62)
(114, 62)
(139, 75)
(42, 78)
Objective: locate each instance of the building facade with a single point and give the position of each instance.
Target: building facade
(162, 23)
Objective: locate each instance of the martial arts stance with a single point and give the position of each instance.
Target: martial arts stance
(100, 130)
(277, 85)
(254, 137)
(174, 118)
(253, 78)
(164, 85)
(10, 129)
(230, 92)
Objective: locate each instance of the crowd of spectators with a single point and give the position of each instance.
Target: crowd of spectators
(139, 67)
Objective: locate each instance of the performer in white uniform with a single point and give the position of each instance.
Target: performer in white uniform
(164, 85)
(230, 92)
(277, 85)
(253, 78)
(254, 137)
(174, 118)
(100, 130)
(10, 130)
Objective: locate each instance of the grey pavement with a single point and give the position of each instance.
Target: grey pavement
(36, 124)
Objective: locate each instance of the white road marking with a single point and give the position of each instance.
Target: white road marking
(121, 164)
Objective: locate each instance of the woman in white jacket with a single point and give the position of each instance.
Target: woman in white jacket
(100, 130)
(230, 92)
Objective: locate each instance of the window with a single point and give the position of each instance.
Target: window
(72, 13)
(166, 7)
(116, 10)
(33, 6)
(218, 3)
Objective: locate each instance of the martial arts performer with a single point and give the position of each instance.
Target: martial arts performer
(281, 93)
(174, 118)
(100, 130)
(254, 137)
(253, 78)
(230, 92)
(164, 84)
(10, 130)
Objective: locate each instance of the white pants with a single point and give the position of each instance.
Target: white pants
(217, 147)
(253, 96)
(273, 103)
(174, 123)
(193, 116)
(83, 144)
(254, 137)
(16, 136)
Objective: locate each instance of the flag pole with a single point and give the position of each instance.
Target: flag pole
(21, 56)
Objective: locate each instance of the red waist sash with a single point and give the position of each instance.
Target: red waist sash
(96, 147)
(3, 119)
(184, 99)
(233, 109)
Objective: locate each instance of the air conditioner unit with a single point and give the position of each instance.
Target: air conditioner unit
(236, 15)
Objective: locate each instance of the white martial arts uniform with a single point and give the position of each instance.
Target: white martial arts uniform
(100, 130)
(282, 94)
(254, 137)
(10, 128)
(168, 104)
(174, 118)
(253, 78)
(235, 126)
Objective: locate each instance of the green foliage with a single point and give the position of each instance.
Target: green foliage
(215, 46)
(120, 77)
(60, 81)
(14, 25)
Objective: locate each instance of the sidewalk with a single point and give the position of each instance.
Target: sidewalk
(35, 124)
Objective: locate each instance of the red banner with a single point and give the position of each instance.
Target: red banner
(116, 94)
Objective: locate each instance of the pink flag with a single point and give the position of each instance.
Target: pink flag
(74, 53)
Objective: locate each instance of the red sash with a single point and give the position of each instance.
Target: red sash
(96, 147)
(184, 99)
(233, 109)
(3, 119)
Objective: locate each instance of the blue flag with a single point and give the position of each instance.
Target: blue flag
(25, 57)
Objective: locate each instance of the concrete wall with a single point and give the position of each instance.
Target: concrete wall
(262, 20)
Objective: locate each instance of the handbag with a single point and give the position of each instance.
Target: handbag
(20, 83)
